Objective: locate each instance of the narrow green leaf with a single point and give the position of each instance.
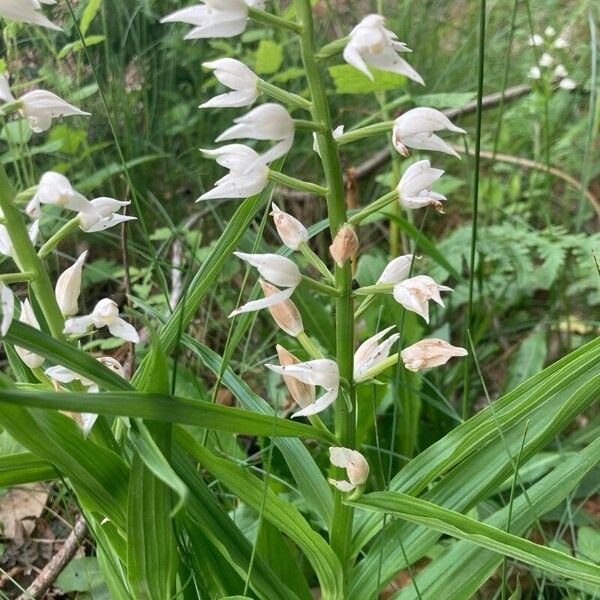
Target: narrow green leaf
(453, 523)
(18, 469)
(90, 11)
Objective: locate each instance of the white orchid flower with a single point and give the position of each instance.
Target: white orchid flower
(27, 11)
(290, 230)
(561, 43)
(567, 84)
(372, 353)
(101, 213)
(6, 245)
(214, 18)
(560, 71)
(534, 72)
(248, 173)
(57, 190)
(303, 394)
(536, 40)
(8, 308)
(414, 294)
(68, 287)
(397, 270)
(356, 465)
(236, 76)
(105, 314)
(413, 189)
(550, 31)
(269, 121)
(415, 129)
(32, 360)
(285, 314)
(371, 44)
(429, 353)
(276, 269)
(546, 60)
(321, 372)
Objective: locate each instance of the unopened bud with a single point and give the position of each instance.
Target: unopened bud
(285, 313)
(68, 287)
(344, 246)
(302, 393)
(290, 230)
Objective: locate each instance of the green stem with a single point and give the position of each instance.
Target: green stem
(306, 125)
(332, 49)
(379, 288)
(24, 276)
(283, 95)
(320, 287)
(364, 306)
(297, 184)
(345, 428)
(363, 132)
(309, 346)
(374, 207)
(273, 20)
(65, 231)
(316, 262)
(26, 195)
(27, 260)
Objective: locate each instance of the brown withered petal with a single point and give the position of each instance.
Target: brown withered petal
(285, 314)
(302, 393)
(345, 245)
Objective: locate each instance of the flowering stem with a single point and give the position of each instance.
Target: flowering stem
(297, 184)
(309, 346)
(345, 427)
(316, 262)
(273, 20)
(27, 260)
(374, 207)
(330, 50)
(380, 288)
(283, 95)
(363, 132)
(305, 125)
(21, 277)
(320, 287)
(65, 231)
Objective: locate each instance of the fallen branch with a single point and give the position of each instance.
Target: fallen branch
(57, 563)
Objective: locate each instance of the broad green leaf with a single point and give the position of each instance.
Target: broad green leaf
(349, 80)
(80, 575)
(277, 511)
(453, 523)
(461, 571)
(161, 407)
(269, 57)
(18, 469)
(89, 13)
(528, 360)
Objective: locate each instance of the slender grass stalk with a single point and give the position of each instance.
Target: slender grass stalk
(345, 428)
(475, 204)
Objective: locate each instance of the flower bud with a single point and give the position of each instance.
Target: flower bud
(429, 353)
(290, 230)
(344, 246)
(32, 360)
(302, 393)
(68, 287)
(285, 314)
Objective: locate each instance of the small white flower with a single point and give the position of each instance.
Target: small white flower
(285, 314)
(413, 189)
(248, 173)
(68, 287)
(560, 71)
(32, 360)
(276, 269)
(371, 353)
(57, 190)
(322, 372)
(6, 246)
(414, 294)
(214, 18)
(101, 213)
(536, 40)
(550, 31)
(397, 270)
(546, 60)
(356, 465)
(61, 374)
(290, 230)
(337, 133)
(429, 353)
(371, 44)
(415, 129)
(567, 84)
(561, 43)
(534, 73)
(27, 11)
(303, 394)
(266, 122)
(236, 76)
(105, 313)
(8, 308)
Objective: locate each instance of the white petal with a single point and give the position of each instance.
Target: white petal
(272, 300)
(8, 308)
(124, 330)
(343, 486)
(320, 404)
(78, 325)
